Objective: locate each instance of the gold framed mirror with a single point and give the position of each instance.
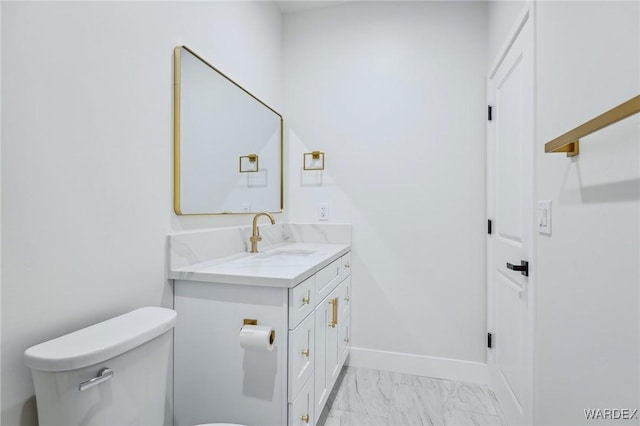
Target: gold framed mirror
(218, 123)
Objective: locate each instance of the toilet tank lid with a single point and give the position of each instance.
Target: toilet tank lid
(102, 341)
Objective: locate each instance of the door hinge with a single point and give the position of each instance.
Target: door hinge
(489, 226)
(489, 112)
(489, 343)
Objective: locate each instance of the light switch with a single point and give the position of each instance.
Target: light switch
(544, 217)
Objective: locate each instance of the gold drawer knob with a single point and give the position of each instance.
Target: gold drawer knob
(346, 299)
(347, 266)
(306, 300)
(347, 340)
(306, 352)
(305, 418)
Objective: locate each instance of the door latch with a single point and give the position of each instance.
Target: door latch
(523, 267)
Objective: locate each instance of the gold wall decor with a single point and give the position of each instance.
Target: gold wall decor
(313, 160)
(250, 163)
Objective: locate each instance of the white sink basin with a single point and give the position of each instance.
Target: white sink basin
(286, 252)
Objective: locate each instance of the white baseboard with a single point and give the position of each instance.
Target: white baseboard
(420, 365)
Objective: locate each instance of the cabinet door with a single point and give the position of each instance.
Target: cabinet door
(344, 338)
(301, 356)
(327, 365)
(345, 298)
(301, 410)
(346, 266)
(344, 341)
(328, 278)
(322, 318)
(301, 301)
(332, 349)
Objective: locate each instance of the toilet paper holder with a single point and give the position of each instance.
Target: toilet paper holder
(250, 321)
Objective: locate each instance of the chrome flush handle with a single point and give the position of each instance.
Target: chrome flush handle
(104, 375)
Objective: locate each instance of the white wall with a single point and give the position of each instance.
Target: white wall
(587, 327)
(394, 94)
(87, 114)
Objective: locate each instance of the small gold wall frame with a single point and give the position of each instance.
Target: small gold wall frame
(250, 163)
(313, 160)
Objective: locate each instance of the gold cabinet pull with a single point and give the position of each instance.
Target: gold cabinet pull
(306, 352)
(306, 300)
(305, 418)
(346, 299)
(346, 340)
(334, 316)
(347, 266)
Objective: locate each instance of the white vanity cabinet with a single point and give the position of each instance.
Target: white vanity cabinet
(216, 380)
(331, 320)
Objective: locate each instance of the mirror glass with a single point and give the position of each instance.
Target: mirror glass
(227, 143)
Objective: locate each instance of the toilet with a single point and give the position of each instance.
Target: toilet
(111, 373)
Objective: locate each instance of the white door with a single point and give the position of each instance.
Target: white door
(510, 159)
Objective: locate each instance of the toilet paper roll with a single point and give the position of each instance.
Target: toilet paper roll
(257, 338)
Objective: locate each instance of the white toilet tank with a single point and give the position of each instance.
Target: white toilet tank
(111, 373)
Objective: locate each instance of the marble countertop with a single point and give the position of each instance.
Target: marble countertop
(278, 265)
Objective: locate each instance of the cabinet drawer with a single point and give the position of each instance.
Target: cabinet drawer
(346, 265)
(345, 297)
(301, 409)
(301, 356)
(301, 301)
(327, 279)
(344, 340)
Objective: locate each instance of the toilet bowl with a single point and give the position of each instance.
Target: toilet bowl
(113, 372)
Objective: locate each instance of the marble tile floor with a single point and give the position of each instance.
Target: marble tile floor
(364, 397)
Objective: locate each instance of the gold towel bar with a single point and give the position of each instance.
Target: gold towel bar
(569, 142)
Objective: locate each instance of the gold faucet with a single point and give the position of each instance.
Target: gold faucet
(255, 237)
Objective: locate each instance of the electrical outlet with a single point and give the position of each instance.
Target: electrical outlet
(323, 211)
